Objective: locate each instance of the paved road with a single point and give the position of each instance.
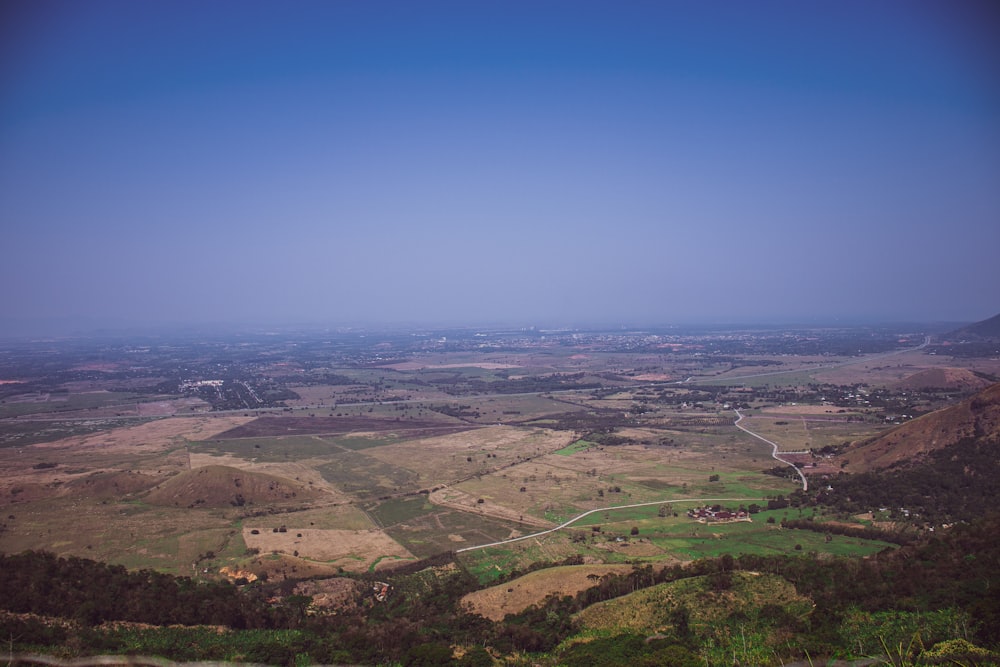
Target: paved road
(774, 453)
(566, 524)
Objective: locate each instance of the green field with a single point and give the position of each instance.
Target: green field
(446, 529)
(665, 539)
(71, 402)
(578, 446)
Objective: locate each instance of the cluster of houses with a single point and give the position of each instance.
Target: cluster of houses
(717, 513)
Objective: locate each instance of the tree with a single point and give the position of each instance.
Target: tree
(431, 654)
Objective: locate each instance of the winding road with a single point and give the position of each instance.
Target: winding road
(774, 453)
(566, 524)
(570, 522)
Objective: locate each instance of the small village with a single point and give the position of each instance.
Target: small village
(715, 513)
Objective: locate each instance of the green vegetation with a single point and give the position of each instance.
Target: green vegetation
(69, 402)
(443, 530)
(578, 446)
(398, 510)
(23, 433)
(798, 581)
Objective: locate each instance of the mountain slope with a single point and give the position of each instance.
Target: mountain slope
(960, 379)
(976, 417)
(988, 329)
(220, 486)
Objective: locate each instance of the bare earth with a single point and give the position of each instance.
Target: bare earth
(108, 450)
(341, 548)
(451, 497)
(515, 596)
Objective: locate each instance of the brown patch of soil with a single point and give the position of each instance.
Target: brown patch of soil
(152, 436)
(222, 486)
(335, 593)
(265, 427)
(280, 567)
(462, 501)
(352, 550)
(944, 378)
(515, 596)
(111, 484)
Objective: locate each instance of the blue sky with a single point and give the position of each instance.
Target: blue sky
(553, 163)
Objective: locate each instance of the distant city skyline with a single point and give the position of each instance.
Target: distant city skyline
(183, 163)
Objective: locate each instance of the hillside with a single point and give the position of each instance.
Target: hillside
(988, 329)
(220, 486)
(976, 417)
(515, 596)
(111, 484)
(709, 603)
(952, 379)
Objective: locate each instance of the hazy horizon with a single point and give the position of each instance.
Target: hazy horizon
(176, 164)
(124, 329)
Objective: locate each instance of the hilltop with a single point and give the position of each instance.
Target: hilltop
(988, 329)
(976, 417)
(221, 486)
(952, 379)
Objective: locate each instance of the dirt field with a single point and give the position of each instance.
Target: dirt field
(145, 447)
(445, 458)
(302, 471)
(353, 550)
(798, 433)
(515, 596)
(269, 427)
(419, 366)
(892, 370)
(456, 499)
(151, 436)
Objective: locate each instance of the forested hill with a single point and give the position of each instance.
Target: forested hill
(939, 589)
(931, 472)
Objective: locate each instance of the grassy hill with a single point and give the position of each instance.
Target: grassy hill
(111, 484)
(222, 486)
(975, 417)
(709, 601)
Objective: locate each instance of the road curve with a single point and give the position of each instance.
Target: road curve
(570, 522)
(774, 453)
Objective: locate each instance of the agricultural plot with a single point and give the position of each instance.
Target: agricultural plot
(96, 403)
(351, 550)
(272, 426)
(803, 432)
(24, 432)
(364, 477)
(128, 533)
(439, 529)
(434, 452)
(515, 596)
(445, 459)
(642, 535)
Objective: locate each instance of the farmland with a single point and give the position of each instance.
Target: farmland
(415, 445)
(508, 471)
